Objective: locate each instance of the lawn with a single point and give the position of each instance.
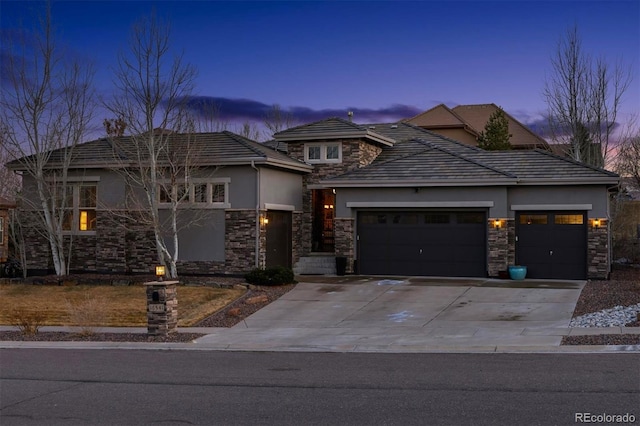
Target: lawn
(104, 306)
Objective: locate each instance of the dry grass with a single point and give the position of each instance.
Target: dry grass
(118, 306)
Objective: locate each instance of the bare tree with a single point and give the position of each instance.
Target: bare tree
(46, 106)
(209, 118)
(628, 160)
(583, 99)
(152, 91)
(10, 181)
(277, 120)
(249, 130)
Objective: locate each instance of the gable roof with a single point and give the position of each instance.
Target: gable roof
(441, 116)
(478, 115)
(331, 128)
(213, 149)
(472, 119)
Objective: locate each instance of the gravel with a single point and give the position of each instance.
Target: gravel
(611, 303)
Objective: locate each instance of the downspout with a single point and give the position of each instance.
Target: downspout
(257, 261)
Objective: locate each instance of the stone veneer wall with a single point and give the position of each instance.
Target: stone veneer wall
(240, 237)
(597, 252)
(498, 246)
(355, 154)
(343, 232)
(126, 246)
(297, 236)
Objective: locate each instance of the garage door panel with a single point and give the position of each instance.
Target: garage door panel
(422, 243)
(552, 244)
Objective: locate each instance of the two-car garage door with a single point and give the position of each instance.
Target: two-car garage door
(432, 243)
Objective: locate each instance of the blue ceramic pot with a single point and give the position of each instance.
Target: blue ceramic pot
(517, 272)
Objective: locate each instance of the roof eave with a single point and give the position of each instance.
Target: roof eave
(415, 183)
(338, 135)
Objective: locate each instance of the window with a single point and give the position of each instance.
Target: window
(533, 219)
(323, 152)
(438, 218)
(569, 219)
(218, 195)
(77, 204)
(87, 207)
(470, 217)
(314, 153)
(200, 194)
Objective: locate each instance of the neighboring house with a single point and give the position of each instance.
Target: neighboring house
(393, 199)
(5, 206)
(464, 123)
(241, 186)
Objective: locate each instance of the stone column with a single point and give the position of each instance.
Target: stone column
(343, 231)
(598, 252)
(498, 245)
(162, 307)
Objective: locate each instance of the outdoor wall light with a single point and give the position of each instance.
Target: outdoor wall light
(596, 223)
(264, 221)
(497, 223)
(160, 271)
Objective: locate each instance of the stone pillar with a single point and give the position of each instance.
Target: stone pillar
(344, 246)
(162, 307)
(598, 252)
(498, 246)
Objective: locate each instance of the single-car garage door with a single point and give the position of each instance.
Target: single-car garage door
(422, 243)
(552, 244)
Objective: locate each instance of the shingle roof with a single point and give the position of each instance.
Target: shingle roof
(423, 162)
(330, 128)
(211, 148)
(417, 160)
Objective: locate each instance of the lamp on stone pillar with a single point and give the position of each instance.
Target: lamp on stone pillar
(160, 272)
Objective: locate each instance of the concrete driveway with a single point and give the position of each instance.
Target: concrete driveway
(405, 314)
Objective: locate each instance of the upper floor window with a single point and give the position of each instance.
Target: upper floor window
(328, 152)
(201, 193)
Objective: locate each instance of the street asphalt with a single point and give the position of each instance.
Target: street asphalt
(395, 315)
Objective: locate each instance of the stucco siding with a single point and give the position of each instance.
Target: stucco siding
(497, 195)
(279, 187)
(201, 237)
(562, 196)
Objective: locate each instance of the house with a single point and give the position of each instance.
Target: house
(396, 199)
(464, 123)
(389, 198)
(5, 206)
(240, 186)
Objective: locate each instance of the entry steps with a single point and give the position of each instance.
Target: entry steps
(315, 265)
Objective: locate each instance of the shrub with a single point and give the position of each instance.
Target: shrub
(27, 321)
(87, 314)
(270, 276)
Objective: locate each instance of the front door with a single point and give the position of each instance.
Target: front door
(278, 239)
(323, 201)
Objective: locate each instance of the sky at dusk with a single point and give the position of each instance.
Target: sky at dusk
(384, 60)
